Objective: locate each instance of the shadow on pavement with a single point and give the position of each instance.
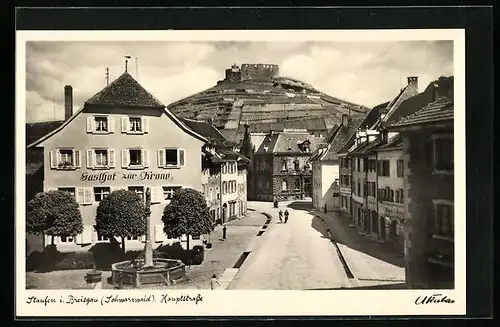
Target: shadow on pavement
(349, 237)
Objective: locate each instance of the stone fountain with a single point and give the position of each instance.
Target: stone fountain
(148, 271)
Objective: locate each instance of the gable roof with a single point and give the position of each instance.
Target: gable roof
(289, 142)
(124, 91)
(267, 145)
(395, 142)
(437, 111)
(127, 84)
(34, 131)
(414, 103)
(207, 130)
(342, 138)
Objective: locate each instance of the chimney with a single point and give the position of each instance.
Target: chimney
(413, 80)
(345, 120)
(68, 102)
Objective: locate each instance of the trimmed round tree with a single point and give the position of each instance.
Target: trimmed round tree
(122, 213)
(187, 214)
(53, 213)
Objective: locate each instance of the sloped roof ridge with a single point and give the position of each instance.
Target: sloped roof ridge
(108, 96)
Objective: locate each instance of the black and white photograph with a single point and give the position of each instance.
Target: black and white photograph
(241, 163)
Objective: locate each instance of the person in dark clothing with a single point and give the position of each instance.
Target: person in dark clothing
(280, 215)
(286, 216)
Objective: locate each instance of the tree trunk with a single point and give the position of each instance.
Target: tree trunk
(123, 244)
(187, 242)
(52, 239)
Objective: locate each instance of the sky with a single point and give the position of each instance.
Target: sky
(365, 73)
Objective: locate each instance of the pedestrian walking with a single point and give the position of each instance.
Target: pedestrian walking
(280, 215)
(214, 282)
(286, 216)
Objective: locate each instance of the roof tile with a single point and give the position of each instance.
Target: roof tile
(125, 91)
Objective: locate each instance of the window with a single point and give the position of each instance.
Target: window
(70, 190)
(371, 189)
(101, 124)
(400, 165)
(132, 238)
(359, 190)
(101, 158)
(171, 157)
(102, 238)
(358, 164)
(67, 239)
(297, 184)
(135, 157)
(139, 190)
(383, 168)
(100, 193)
(444, 219)
(168, 191)
(285, 165)
(443, 154)
(284, 186)
(296, 165)
(65, 159)
(135, 124)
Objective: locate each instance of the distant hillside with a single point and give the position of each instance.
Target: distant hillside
(256, 95)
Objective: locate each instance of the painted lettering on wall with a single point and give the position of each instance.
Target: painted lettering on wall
(393, 211)
(143, 175)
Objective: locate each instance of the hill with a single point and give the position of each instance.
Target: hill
(256, 95)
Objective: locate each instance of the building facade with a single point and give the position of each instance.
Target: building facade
(281, 168)
(223, 178)
(428, 154)
(327, 165)
(390, 190)
(117, 140)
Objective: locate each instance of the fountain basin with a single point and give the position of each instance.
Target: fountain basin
(134, 274)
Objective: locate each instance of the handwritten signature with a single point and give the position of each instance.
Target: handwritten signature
(434, 298)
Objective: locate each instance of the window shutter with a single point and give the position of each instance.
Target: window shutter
(159, 235)
(111, 124)
(80, 195)
(87, 197)
(181, 157)
(77, 158)
(145, 158)
(143, 238)
(90, 158)
(125, 158)
(155, 194)
(125, 124)
(161, 158)
(111, 158)
(90, 124)
(145, 124)
(53, 159)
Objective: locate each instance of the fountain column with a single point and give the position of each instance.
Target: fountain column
(148, 248)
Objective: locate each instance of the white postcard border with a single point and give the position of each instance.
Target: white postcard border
(245, 303)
